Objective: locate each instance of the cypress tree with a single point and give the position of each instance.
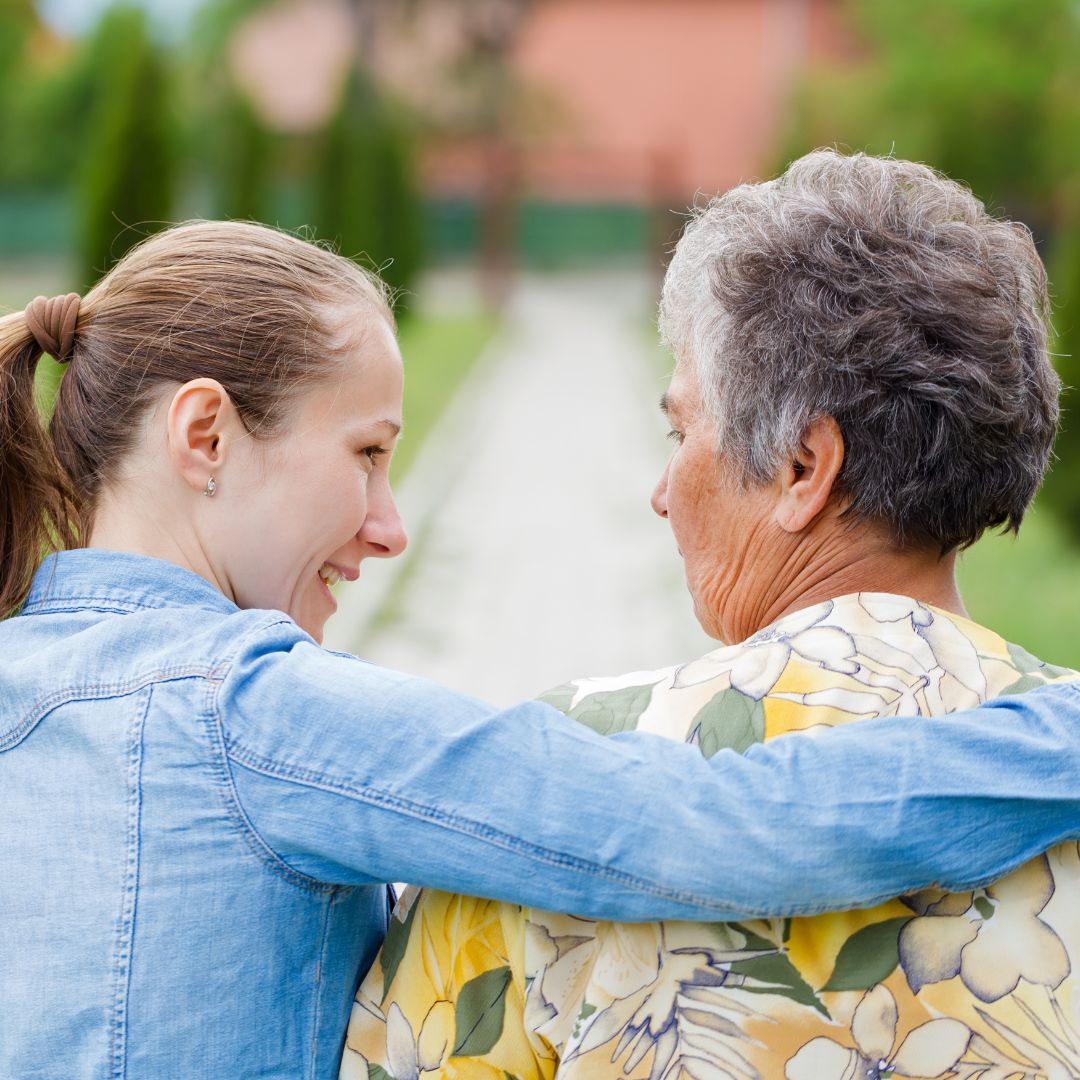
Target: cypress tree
(243, 159)
(129, 176)
(366, 198)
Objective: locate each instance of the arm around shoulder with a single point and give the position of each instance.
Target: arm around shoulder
(353, 773)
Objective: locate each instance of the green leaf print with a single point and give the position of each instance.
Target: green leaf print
(756, 941)
(1033, 672)
(584, 1013)
(377, 1072)
(1022, 685)
(478, 1019)
(776, 974)
(397, 938)
(559, 697)
(1027, 664)
(734, 937)
(731, 719)
(610, 711)
(869, 956)
(1022, 660)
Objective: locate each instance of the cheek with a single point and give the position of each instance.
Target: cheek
(351, 504)
(339, 499)
(690, 507)
(348, 511)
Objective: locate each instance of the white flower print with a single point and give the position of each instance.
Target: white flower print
(406, 1056)
(991, 942)
(754, 666)
(930, 1050)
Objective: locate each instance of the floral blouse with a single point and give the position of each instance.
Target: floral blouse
(974, 986)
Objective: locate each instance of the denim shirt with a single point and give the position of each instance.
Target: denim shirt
(201, 807)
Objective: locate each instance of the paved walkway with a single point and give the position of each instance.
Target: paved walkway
(534, 554)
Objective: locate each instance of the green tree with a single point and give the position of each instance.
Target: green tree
(1062, 491)
(36, 93)
(128, 178)
(366, 198)
(243, 159)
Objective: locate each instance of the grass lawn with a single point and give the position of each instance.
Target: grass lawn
(439, 351)
(1027, 588)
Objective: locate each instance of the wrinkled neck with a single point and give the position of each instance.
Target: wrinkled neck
(837, 560)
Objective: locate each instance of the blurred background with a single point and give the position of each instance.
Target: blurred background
(518, 168)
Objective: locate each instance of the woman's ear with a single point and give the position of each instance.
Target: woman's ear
(202, 425)
(807, 482)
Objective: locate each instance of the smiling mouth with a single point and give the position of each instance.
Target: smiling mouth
(327, 576)
(330, 575)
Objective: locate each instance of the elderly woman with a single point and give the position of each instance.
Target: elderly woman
(862, 389)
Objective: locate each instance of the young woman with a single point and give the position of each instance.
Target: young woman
(201, 804)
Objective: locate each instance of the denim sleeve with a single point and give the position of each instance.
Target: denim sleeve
(353, 774)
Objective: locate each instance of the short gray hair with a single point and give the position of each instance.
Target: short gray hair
(882, 294)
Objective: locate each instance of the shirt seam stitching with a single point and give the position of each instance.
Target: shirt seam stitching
(129, 906)
(99, 691)
(264, 852)
(109, 603)
(324, 944)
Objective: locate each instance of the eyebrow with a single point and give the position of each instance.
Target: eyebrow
(666, 404)
(395, 429)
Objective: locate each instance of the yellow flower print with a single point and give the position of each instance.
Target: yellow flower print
(991, 941)
(930, 1050)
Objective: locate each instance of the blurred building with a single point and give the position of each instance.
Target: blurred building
(663, 97)
(587, 116)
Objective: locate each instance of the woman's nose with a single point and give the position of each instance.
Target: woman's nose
(383, 531)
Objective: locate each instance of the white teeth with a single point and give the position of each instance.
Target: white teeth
(331, 575)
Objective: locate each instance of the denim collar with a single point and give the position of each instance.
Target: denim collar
(94, 577)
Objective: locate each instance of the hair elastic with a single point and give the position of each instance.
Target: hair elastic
(52, 322)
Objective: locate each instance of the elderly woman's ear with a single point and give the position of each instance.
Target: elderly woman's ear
(806, 482)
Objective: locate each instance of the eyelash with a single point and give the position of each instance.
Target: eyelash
(374, 452)
(675, 436)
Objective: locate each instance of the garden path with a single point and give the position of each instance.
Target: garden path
(534, 555)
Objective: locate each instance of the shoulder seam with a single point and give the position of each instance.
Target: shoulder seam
(266, 854)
